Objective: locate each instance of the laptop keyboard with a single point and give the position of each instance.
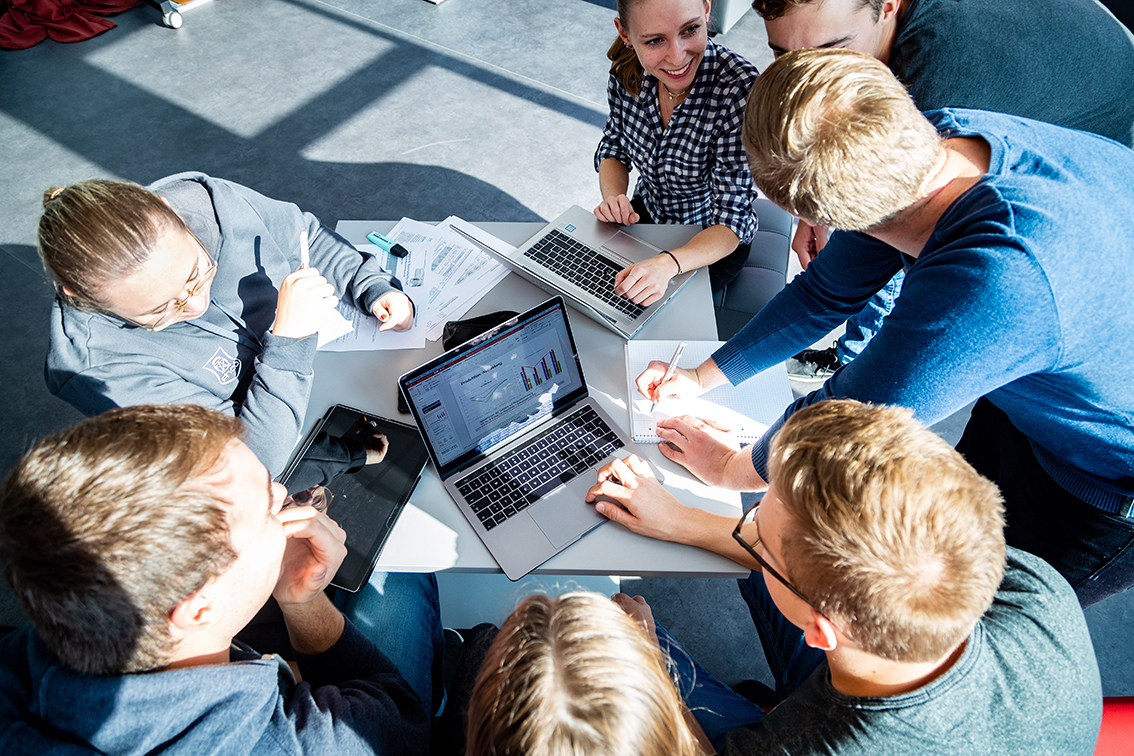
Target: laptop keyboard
(514, 482)
(583, 267)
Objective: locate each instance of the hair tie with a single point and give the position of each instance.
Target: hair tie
(675, 260)
(53, 193)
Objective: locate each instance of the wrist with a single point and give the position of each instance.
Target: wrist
(313, 626)
(673, 258)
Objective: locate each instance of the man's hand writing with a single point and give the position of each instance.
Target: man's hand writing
(683, 384)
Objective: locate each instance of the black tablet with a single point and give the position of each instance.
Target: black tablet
(361, 469)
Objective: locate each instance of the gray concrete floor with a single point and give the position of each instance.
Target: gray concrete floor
(351, 109)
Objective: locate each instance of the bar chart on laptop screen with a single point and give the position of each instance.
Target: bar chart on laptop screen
(512, 387)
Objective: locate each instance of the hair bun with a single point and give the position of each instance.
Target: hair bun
(53, 193)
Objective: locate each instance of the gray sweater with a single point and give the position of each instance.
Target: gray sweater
(1026, 684)
(226, 359)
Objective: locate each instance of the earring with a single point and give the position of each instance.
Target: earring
(628, 45)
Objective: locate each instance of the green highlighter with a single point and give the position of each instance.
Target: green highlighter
(388, 244)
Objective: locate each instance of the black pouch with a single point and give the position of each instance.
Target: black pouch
(459, 331)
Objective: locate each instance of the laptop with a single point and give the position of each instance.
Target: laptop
(515, 437)
(577, 256)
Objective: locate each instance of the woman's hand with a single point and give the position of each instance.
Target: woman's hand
(683, 384)
(616, 209)
(638, 609)
(644, 283)
(395, 310)
(305, 300)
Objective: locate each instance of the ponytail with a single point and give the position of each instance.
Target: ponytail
(625, 66)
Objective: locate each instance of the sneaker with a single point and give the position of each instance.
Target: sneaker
(813, 365)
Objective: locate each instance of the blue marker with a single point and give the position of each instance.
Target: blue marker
(388, 244)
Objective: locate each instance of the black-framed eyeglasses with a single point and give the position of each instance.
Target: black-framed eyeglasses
(173, 310)
(750, 515)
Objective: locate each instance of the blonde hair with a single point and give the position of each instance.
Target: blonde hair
(105, 528)
(834, 138)
(572, 676)
(97, 232)
(890, 531)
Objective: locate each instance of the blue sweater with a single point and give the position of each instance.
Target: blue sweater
(1022, 294)
(352, 701)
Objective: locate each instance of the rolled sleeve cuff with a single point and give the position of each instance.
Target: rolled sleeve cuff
(607, 149)
(760, 449)
(292, 355)
(731, 361)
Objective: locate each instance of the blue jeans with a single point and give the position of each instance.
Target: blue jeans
(862, 327)
(401, 614)
(716, 706)
(789, 657)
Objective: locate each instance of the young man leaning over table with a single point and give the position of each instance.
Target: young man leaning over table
(992, 217)
(893, 617)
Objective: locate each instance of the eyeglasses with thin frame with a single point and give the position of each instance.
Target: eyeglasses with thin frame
(173, 310)
(750, 515)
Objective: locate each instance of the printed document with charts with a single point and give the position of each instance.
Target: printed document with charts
(746, 410)
(444, 274)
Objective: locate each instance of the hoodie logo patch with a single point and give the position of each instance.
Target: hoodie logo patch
(224, 366)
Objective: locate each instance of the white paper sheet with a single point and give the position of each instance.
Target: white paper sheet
(365, 335)
(459, 274)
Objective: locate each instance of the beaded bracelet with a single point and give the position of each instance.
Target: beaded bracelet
(675, 260)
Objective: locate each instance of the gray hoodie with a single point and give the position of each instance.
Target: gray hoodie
(353, 701)
(226, 359)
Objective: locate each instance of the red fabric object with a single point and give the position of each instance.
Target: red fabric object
(29, 22)
(1116, 738)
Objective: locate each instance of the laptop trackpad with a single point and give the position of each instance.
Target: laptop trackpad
(627, 247)
(563, 518)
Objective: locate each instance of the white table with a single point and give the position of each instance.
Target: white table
(432, 534)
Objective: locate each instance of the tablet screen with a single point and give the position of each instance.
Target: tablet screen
(362, 469)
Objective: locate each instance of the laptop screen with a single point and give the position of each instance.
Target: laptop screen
(479, 395)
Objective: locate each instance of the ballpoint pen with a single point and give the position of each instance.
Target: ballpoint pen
(669, 370)
(304, 250)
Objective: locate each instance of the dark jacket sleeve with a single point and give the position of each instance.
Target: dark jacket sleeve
(352, 699)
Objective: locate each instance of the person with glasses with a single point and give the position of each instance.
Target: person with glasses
(194, 291)
(894, 618)
(1008, 313)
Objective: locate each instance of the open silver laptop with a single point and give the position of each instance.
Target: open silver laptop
(577, 255)
(515, 437)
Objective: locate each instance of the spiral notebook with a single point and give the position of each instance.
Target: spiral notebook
(747, 410)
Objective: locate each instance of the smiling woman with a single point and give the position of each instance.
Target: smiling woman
(676, 106)
(193, 291)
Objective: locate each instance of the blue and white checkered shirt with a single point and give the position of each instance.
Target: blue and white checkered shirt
(694, 170)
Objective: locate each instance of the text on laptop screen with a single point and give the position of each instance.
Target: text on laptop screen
(490, 392)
